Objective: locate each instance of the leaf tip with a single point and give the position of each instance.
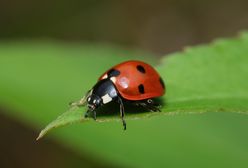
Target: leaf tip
(40, 136)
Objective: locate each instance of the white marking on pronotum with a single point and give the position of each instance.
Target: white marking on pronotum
(105, 76)
(106, 98)
(113, 79)
(94, 101)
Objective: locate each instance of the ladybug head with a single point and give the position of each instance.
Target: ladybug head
(94, 102)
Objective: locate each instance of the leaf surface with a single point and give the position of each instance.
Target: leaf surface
(38, 81)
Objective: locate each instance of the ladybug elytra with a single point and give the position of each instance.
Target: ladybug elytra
(133, 81)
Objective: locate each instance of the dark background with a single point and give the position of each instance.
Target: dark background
(159, 27)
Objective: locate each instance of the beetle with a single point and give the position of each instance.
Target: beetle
(130, 81)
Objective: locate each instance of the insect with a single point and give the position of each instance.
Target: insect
(131, 81)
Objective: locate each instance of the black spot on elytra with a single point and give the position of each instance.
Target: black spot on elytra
(161, 82)
(141, 89)
(141, 69)
(113, 72)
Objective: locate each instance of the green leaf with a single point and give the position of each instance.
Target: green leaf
(38, 80)
(208, 77)
(71, 116)
(200, 79)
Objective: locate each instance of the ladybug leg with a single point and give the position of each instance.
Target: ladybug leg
(148, 104)
(82, 101)
(94, 115)
(152, 105)
(122, 113)
(86, 115)
(142, 104)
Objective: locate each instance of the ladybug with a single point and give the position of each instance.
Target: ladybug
(131, 81)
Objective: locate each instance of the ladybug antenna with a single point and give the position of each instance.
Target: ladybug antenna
(82, 101)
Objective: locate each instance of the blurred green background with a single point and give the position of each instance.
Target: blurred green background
(39, 40)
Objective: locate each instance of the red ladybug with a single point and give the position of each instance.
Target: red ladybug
(133, 81)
